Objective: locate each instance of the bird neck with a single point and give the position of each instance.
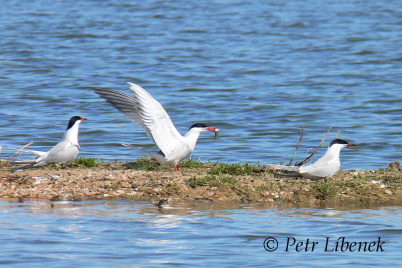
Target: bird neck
(333, 151)
(192, 136)
(71, 134)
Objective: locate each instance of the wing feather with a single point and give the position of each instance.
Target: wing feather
(149, 114)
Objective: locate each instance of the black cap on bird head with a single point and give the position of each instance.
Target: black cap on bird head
(205, 127)
(339, 141)
(73, 120)
(198, 125)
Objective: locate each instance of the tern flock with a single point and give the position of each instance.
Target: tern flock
(149, 114)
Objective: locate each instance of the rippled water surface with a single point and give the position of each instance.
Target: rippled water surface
(136, 234)
(259, 70)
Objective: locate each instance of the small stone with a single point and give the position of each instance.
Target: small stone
(388, 191)
(395, 165)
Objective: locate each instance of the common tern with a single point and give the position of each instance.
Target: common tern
(66, 150)
(325, 167)
(149, 114)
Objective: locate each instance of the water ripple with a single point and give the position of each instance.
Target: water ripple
(259, 71)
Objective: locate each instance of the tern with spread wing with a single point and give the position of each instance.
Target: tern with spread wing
(149, 114)
(325, 167)
(66, 150)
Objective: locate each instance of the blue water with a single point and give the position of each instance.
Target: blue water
(258, 70)
(136, 234)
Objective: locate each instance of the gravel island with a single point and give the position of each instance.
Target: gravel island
(217, 182)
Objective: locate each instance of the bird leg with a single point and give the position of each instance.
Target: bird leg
(176, 168)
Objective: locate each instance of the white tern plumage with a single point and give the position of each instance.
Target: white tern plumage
(149, 114)
(325, 167)
(66, 150)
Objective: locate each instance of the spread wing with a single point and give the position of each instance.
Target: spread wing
(148, 113)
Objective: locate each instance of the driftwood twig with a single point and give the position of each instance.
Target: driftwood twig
(337, 134)
(315, 150)
(297, 148)
(19, 152)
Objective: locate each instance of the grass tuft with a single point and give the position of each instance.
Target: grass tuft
(143, 163)
(82, 162)
(86, 162)
(235, 169)
(324, 190)
(190, 163)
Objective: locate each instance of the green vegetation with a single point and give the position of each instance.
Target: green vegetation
(235, 169)
(143, 163)
(190, 163)
(82, 162)
(86, 162)
(323, 190)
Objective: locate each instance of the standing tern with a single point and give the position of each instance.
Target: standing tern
(149, 114)
(325, 167)
(66, 150)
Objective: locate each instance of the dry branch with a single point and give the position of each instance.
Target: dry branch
(297, 148)
(337, 134)
(19, 152)
(315, 150)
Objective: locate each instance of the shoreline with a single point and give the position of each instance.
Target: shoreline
(86, 179)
